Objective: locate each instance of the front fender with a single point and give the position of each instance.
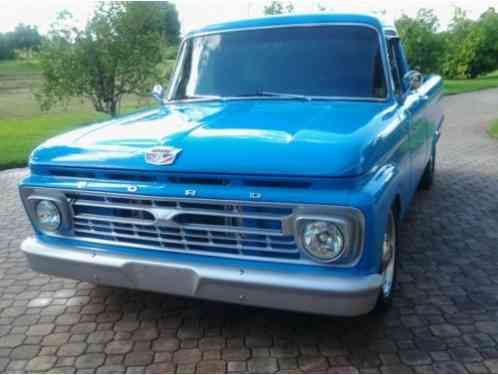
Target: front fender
(388, 183)
(379, 193)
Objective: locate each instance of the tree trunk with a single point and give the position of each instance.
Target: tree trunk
(113, 109)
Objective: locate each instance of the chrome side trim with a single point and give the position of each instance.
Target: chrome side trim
(387, 76)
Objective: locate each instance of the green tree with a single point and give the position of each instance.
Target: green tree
(24, 40)
(277, 7)
(171, 22)
(423, 45)
(460, 45)
(26, 37)
(471, 46)
(117, 54)
(6, 50)
(486, 52)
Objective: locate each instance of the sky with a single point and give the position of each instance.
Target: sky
(196, 13)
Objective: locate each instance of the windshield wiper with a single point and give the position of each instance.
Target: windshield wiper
(201, 97)
(284, 95)
(255, 95)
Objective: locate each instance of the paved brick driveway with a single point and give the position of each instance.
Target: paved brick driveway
(445, 317)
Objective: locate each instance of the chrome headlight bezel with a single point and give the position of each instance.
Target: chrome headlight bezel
(350, 222)
(31, 197)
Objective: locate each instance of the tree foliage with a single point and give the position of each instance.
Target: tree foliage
(422, 44)
(120, 52)
(484, 39)
(171, 22)
(466, 50)
(278, 7)
(24, 39)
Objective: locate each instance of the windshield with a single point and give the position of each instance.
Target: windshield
(313, 61)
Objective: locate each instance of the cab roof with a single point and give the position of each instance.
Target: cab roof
(301, 19)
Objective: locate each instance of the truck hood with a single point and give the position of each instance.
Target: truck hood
(256, 137)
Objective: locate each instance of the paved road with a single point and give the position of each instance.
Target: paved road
(445, 317)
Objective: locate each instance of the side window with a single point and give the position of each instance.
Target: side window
(393, 51)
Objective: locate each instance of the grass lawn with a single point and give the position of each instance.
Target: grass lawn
(493, 130)
(20, 136)
(16, 68)
(23, 126)
(453, 87)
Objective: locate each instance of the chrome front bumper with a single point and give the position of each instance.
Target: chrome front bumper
(328, 295)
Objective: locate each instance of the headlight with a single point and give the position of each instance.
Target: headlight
(323, 240)
(48, 216)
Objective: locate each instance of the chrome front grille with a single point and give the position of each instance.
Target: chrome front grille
(189, 226)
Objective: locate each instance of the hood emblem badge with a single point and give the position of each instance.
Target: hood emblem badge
(161, 155)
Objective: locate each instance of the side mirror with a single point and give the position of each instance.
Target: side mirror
(158, 93)
(413, 80)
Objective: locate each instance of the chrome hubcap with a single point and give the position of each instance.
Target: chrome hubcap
(389, 257)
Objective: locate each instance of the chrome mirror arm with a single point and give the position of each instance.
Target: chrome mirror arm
(158, 94)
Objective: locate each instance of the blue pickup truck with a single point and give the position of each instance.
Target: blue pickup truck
(275, 173)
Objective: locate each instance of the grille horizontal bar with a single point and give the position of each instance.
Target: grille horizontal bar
(182, 210)
(188, 226)
(164, 241)
(160, 231)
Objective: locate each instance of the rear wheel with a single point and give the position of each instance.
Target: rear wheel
(389, 261)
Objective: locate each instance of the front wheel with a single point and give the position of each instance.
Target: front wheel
(389, 261)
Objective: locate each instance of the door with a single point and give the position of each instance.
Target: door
(414, 104)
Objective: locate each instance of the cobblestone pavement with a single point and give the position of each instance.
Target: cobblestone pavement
(445, 317)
